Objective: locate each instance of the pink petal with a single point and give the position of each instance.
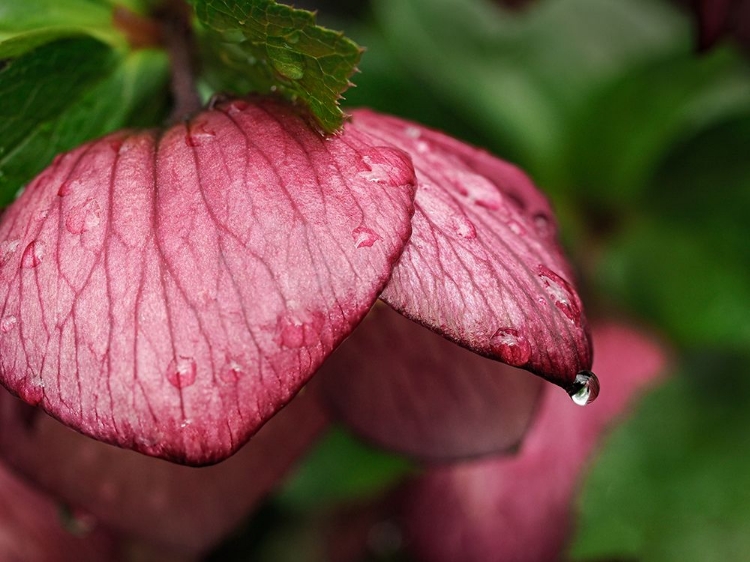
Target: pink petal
(31, 529)
(168, 292)
(518, 508)
(182, 508)
(483, 261)
(410, 390)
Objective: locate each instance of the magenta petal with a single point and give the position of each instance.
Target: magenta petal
(408, 389)
(169, 292)
(518, 508)
(31, 529)
(182, 508)
(483, 266)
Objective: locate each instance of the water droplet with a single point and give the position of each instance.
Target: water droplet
(293, 37)
(512, 347)
(186, 423)
(364, 237)
(386, 166)
(287, 62)
(199, 134)
(84, 217)
(463, 227)
(182, 372)
(33, 254)
(41, 215)
(233, 36)
(412, 132)
(585, 389)
(516, 228)
(423, 147)
(7, 250)
(477, 189)
(237, 106)
(76, 521)
(543, 225)
(231, 372)
(293, 333)
(8, 323)
(67, 186)
(561, 293)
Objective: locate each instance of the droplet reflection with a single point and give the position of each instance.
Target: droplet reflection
(585, 388)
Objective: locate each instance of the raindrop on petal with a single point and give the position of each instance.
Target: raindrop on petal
(511, 346)
(33, 254)
(8, 323)
(84, 217)
(364, 237)
(561, 293)
(181, 372)
(585, 389)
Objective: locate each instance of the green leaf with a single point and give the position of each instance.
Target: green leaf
(65, 93)
(627, 130)
(522, 78)
(263, 46)
(673, 483)
(690, 279)
(31, 23)
(342, 469)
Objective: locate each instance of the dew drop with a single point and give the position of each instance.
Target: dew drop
(288, 63)
(293, 37)
(516, 228)
(386, 166)
(463, 227)
(76, 521)
(364, 237)
(293, 333)
(585, 389)
(199, 135)
(66, 187)
(233, 36)
(412, 132)
(561, 293)
(477, 189)
(84, 217)
(237, 106)
(181, 372)
(33, 254)
(7, 250)
(231, 372)
(543, 225)
(511, 346)
(8, 323)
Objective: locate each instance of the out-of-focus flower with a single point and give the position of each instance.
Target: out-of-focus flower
(518, 508)
(169, 292)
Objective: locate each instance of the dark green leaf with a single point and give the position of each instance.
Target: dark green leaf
(624, 134)
(673, 483)
(342, 469)
(521, 78)
(688, 278)
(263, 46)
(65, 93)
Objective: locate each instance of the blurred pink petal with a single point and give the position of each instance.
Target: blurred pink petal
(518, 508)
(169, 291)
(483, 266)
(410, 390)
(31, 529)
(182, 508)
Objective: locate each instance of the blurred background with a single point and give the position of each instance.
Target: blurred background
(634, 117)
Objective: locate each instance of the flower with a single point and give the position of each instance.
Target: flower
(169, 292)
(519, 507)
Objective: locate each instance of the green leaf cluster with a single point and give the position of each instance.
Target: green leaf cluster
(265, 46)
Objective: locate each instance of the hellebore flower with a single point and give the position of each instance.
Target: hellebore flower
(169, 292)
(517, 508)
(181, 509)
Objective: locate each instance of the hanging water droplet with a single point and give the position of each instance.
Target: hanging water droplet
(585, 389)
(33, 254)
(181, 372)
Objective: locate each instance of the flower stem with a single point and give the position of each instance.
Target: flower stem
(178, 40)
